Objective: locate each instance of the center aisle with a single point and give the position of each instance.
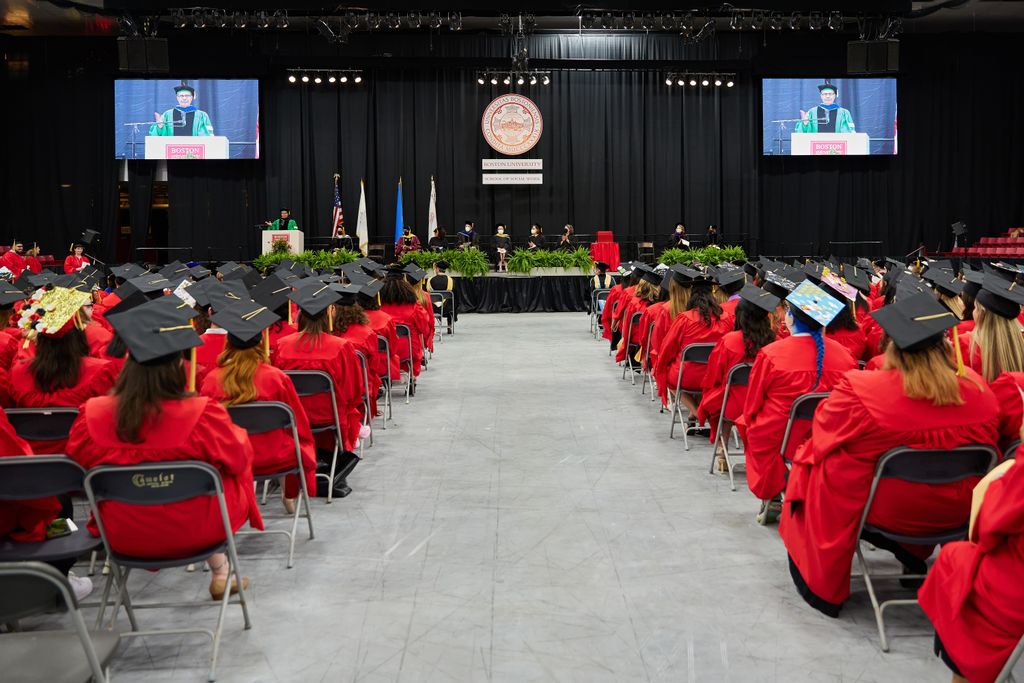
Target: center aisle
(527, 518)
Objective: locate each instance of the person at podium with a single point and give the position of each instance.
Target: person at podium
(183, 118)
(827, 117)
(285, 222)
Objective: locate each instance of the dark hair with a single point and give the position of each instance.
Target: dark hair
(349, 315)
(756, 325)
(439, 232)
(58, 360)
(141, 388)
(702, 299)
(398, 291)
(202, 321)
(843, 321)
(968, 299)
(117, 348)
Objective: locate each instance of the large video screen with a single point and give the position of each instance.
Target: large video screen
(829, 116)
(186, 118)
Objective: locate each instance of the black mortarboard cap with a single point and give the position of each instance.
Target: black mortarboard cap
(231, 270)
(127, 271)
(152, 285)
(199, 272)
(940, 264)
(127, 303)
(176, 271)
(184, 86)
(915, 322)
(10, 295)
(154, 331)
(415, 273)
(357, 276)
(944, 281)
(907, 287)
(251, 278)
(371, 289)
(24, 281)
(314, 300)
(1000, 269)
(857, 278)
(600, 265)
(684, 275)
(43, 278)
(272, 292)
(973, 281)
(1001, 297)
(828, 86)
(245, 322)
(729, 278)
(766, 301)
(864, 263)
(651, 276)
(348, 293)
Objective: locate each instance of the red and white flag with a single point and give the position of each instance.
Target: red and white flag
(338, 216)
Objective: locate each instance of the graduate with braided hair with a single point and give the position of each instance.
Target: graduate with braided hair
(806, 361)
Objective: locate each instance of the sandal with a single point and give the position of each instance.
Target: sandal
(219, 585)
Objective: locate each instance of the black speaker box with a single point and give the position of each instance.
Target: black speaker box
(872, 56)
(142, 55)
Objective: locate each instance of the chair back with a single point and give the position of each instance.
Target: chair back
(697, 353)
(154, 483)
(403, 331)
(600, 295)
(1011, 450)
(42, 424)
(311, 382)
(383, 346)
(28, 588)
(24, 477)
(802, 410)
(739, 375)
(633, 321)
(260, 417)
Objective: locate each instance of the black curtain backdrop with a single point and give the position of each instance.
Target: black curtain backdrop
(620, 149)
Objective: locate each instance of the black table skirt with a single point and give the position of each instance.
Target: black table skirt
(555, 294)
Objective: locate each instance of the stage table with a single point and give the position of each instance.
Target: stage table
(607, 252)
(515, 294)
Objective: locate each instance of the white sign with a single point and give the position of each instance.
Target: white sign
(513, 164)
(513, 178)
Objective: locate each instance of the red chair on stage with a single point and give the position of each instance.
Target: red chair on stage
(605, 249)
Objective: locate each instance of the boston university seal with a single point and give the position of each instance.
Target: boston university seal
(512, 124)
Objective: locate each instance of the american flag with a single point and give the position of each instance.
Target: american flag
(338, 217)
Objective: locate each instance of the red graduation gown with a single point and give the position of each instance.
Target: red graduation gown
(658, 314)
(419, 323)
(866, 415)
(33, 265)
(100, 309)
(274, 451)
(384, 326)
(854, 341)
(687, 328)
(10, 342)
(73, 263)
(638, 332)
(365, 340)
(195, 428)
(23, 520)
(974, 595)
(729, 306)
(14, 262)
(96, 377)
(428, 308)
(336, 357)
(606, 314)
(782, 371)
(729, 351)
(1011, 404)
(213, 344)
(98, 338)
(626, 301)
(278, 331)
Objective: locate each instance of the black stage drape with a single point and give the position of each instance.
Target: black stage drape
(621, 150)
(554, 294)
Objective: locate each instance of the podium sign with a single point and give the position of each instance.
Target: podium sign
(186, 147)
(829, 144)
(296, 239)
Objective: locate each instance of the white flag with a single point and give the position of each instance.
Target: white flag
(432, 211)
(362, 233)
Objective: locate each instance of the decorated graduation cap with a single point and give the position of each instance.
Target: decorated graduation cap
(53, 312)
(815, 303)
(916, 322)
(832, 283)
(1001, 297)
(766, 301)
(944, 281)
(128, 271)
(314, 300)
(184, 87)
(156, 331)
(175, 270)
(781, 282)
(1003, 270)
(651, 276)
(245, 322)
(272, 292)
(684, 275)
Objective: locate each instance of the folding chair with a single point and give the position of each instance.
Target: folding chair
(615, 308)
(1006, 674)
(628, 365)
(646, 369)
(153, 484)
(437, 303)
(313, 383)
(384, 347)
(364, 365)
(27, 477)
(260, 417)
(695, 354)
(447, 301)
(29, 588)
(595, 314)
(802, 412)
(405, 333)
(918, 466)
(739, 376)
(42, 424)
(1011, 450)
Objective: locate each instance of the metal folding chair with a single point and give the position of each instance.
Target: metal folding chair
(802, 411)
(918, 466)
(647, 372)
(29, 588)
(615, 308)
(313, 383)
(1011, 450)
(404, 332)
(628, 365)
(384, 347)
(364, 365)
(595, 314)
(260, 417)
(155, 484)
(447, 301)
(1006, 674)
(27, 477)
(694, 354)
(739, 376)
(42, 424)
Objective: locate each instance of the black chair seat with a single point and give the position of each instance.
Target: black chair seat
(948, 536)
(74, 545)
(266, 476)
(141, 563)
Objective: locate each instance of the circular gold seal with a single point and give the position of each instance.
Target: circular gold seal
(512, 124)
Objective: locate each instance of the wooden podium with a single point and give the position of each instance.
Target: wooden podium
(829, 144)
(296, 239)
(186, 147)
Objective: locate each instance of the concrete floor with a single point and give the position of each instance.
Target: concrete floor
(528, 519)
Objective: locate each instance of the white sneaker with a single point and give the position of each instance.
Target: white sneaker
(81, 585)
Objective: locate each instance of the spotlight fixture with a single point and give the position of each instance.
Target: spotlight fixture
(686, 24)
(520, 80)
(372, 21)
(317, 80)
(434, 20)
(305, 78)
(718, 82)
(198, 19)
(705, 82)
(835, 21)
(291, 78)
(729, 83)
(494, 80)
(547, 80)
(693, 81)
(736, 21)
(455, 21)
(815, 21)
(351, 20)
(414, 19)
(757, 21)
(629, 20)
(333, 79)
(668, 81)
(344, 78)
(394, 21)
(281, 18)
(533, 79)
(775, 21)
(681, 82)
(794, 21)
(507, 80)
(178, 19)
(358, 78)
(480, 79)
(263, 19)
(647, 21)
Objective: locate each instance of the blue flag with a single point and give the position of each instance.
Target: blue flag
(399, 214)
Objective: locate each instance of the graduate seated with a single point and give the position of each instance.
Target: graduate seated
(351, 324)
(805, 361)
(646, 292)
(400, 300)
(753, 332)
(728, 284)
(919, 400)
(273, 293)
(152, 417)
(243, 375)
(660, 314)
(973, 593)
(382, 324)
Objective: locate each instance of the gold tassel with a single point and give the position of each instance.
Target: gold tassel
(266, 345)
(960, 371)
(330, 318)
(192, 369)
(291, 317)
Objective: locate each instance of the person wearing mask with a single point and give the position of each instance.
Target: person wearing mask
(441, 281)
(151, 417)
(678, 237)
(712, 236)
(408, 242)
(436, 242)
(920, 399)
(502, 245)
(805, 361)
(536, 239)
(566, 241)
(468, 237)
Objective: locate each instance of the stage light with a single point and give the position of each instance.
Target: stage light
(291, 78)
(681, 82)
(520, 80)
(507, 80)
(608, 20)
(693, 81)
(358, 79)
(480, 79)
(588, 20)
(317, 80)
(729, 83)
(533, 80)
(815, 21)
(794, 21)
(372, 21)
(718, 82)
(736, 21)
(414, 19)
(687, 22)
(332, 79)
(263, 19)
(344, 78)
(494, 80)
(455, 21)
(757, 21)
(394, 21)
(775, 21)
(628, 21)
(835, 21)
(547, 80)
(305, 78)
(351, 20)
(281, 18)
(705, 82)
(647, 21)
(198, 19)
(668, 81)
(178, 19)
(434, 20)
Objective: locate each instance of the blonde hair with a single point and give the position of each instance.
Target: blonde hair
(928, 374)
(999, 341)
(240, 367)
(719, 295)
(678, 298)
(646, 291)
(953, 303)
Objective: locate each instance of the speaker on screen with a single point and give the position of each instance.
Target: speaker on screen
(872, 56)
(142, 55)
